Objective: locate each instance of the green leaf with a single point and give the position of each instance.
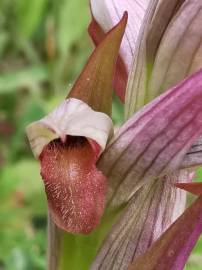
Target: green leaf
(117, 111)
(23, 78)
(29, 15)
(72, 22)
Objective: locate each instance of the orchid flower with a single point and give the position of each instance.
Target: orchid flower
(120, 188)
(69, 141)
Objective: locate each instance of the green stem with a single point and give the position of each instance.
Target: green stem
(77, 252)
(54, 239)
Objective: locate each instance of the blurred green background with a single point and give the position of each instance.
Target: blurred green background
(43, 46)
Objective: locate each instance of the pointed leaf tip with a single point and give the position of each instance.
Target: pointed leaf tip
(194, 188)
(94, 85)
(121, 73)
(105, 14)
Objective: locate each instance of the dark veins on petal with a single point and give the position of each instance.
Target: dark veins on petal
(74, 187)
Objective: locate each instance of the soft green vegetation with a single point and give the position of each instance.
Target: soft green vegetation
(43, 46)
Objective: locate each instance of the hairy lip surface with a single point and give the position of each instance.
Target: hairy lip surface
(74, 187)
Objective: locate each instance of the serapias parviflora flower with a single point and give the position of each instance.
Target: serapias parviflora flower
(69, 141)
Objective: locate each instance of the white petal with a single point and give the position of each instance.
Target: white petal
(72, 117)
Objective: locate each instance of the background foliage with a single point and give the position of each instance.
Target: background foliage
(43, 46)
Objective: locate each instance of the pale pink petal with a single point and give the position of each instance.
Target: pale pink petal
(180, 50)
(169, 49)
(148, 147)
(172, 249)
(72, 117)
(154, 141)
(150, 212)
